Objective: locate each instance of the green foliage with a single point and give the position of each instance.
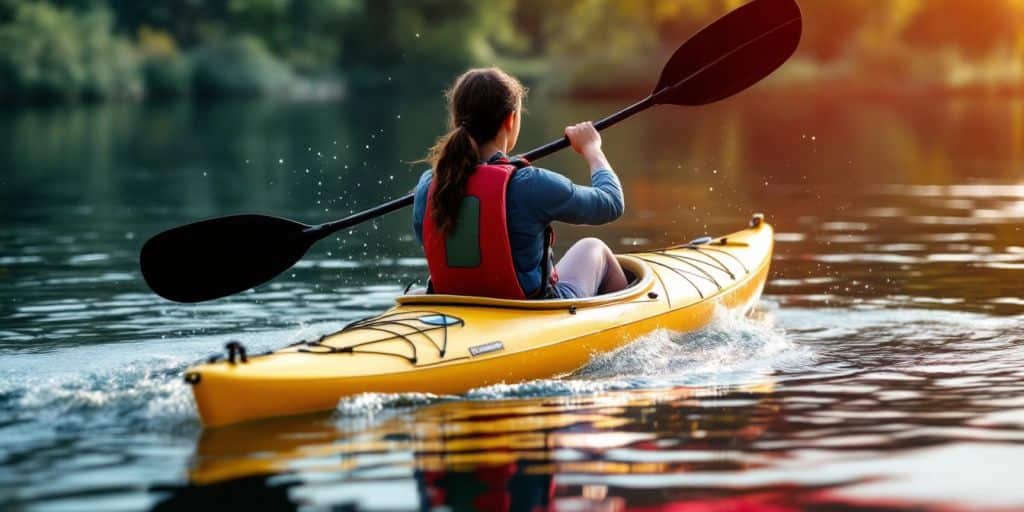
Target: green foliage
(40, 60)
(167, 72)
(422, 41)
(66, 50)
(303, 32)
(239, 66)
(52, 53)
(110, 64)
(167, 76)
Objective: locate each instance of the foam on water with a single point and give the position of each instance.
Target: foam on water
(135, 386)
(372, 403)
(144, 394)
(733, 350)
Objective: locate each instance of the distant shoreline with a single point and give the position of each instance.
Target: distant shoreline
(329, 92)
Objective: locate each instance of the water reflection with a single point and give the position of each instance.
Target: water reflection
(497, 455)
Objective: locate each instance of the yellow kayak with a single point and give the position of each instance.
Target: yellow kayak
(446, 344)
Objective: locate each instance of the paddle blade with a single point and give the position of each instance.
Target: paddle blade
(219, 257)
(731, 54)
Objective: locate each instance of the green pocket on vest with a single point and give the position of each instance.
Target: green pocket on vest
(462, 246)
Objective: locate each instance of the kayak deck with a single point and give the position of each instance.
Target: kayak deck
(446, 344)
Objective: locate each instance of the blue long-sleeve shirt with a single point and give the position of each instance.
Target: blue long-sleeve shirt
(537, 197)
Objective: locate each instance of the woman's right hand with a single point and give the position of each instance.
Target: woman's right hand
(584, 138)
(587, 142)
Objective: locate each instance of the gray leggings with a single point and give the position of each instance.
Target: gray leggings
(588, 268)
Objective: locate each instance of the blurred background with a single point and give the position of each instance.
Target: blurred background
(61, 51)
(883, 368)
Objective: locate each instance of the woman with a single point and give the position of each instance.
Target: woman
(484, 221)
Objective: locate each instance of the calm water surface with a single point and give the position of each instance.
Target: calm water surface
(884, 368)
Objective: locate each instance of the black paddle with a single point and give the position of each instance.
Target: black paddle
(223, 256)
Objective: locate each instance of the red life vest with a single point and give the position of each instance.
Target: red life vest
(476, 256)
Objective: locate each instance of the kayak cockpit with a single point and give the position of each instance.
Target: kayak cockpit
(640, 271)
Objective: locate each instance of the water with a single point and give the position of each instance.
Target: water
(882, 370)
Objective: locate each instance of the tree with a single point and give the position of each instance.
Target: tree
(52, 53)
(974, 27)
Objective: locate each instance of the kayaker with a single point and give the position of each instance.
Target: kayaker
(485, 220)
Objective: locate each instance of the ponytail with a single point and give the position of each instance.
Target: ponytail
(478, 104)
(458, 156)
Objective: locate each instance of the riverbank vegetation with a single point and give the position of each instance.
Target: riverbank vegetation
(97, 50)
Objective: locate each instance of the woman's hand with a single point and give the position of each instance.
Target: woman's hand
(584, 138)
(587, 142)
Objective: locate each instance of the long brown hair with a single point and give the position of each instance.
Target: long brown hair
(478, 102)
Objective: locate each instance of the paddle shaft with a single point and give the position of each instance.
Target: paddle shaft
(324, 230)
